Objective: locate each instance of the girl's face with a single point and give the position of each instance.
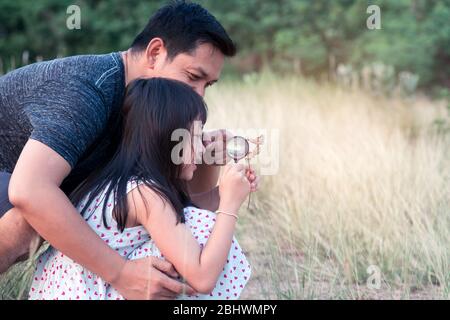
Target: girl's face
(196, 148)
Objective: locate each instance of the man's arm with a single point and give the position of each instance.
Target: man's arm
(203, 188)
(34, 191)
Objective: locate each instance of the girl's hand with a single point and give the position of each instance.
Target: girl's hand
(253, 179)
(234, 187)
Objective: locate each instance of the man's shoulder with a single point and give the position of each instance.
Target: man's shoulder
(100, 76)
(91, 69)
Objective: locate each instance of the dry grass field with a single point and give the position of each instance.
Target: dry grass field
(363, 180)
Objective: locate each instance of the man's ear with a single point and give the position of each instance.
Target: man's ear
(155, 53)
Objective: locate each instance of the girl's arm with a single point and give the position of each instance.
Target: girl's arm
(199, 267)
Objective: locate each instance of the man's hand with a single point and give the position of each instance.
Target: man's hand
(207, 173)
(215, 145)
(150, 278)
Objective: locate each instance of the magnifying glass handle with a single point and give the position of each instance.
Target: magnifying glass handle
(250, 194)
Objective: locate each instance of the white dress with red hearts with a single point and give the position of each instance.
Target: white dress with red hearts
(59, 277)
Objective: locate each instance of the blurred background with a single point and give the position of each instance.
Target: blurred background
(360, 206)
(321, 39)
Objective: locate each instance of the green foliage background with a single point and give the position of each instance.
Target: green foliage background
(302, 36)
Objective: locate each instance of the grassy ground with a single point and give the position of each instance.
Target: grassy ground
(363, 181)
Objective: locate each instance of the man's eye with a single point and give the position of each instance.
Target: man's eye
(193, 77)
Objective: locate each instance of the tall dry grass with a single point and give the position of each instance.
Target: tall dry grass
(363, 180)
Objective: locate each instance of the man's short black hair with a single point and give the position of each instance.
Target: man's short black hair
(183, 26)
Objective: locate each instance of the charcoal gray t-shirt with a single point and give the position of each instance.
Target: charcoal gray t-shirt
(71, 105)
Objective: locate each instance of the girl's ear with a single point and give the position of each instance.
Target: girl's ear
(155, 53)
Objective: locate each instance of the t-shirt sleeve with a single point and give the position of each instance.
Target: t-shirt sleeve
(67, 116)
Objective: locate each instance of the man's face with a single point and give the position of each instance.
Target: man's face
(199, 69)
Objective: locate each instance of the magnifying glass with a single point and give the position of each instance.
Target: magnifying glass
(237, 148)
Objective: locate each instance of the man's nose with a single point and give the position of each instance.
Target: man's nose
(200, 90)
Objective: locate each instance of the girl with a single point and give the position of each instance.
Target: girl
(139, 204)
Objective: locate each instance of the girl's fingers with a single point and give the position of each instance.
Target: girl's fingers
(250, 176)
(255, 184)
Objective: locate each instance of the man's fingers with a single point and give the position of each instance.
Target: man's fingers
(224, 134)
(229, 134)
(176, 286)
(164, 266)
(215, 151)
(216, 135)
(167, 294)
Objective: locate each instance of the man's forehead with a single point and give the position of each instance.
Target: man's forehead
(205, 50)
(207, 60)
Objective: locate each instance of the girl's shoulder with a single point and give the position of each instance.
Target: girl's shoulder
(133, 183)
(106, 198)
(142, 200)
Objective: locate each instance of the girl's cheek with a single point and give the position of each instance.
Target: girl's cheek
(187, 172)
(184, 170)
(186, 157)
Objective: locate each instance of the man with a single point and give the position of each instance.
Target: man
(60, 120)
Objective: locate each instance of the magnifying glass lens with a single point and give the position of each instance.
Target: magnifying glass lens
(237, 148)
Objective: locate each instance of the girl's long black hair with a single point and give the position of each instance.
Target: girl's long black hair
(152, 110)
